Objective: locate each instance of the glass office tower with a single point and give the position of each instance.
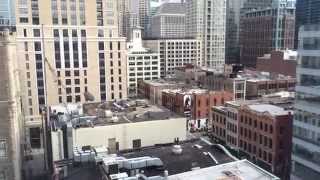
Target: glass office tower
(7, 13)
(306, 132)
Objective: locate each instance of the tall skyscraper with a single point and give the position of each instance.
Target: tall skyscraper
(144, 15)
(206, 21)
(306, 131)
(235, 10)
(232, 30)
(10, 109)
(7, 13)
(123, 10)
(264, 30)
(142, 8)
(131, 20)
(307, 12)
(69, 51)
(169, 21)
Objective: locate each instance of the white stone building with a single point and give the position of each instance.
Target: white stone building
(176, 53)
(143, 64)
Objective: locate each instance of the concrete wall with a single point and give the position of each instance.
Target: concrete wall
(10, 109)
(57, 145)
(150, 133)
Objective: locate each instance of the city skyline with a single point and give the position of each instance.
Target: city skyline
(159, 89)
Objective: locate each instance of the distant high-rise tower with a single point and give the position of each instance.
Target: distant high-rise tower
(144, 15)
(206, 21)
(307, 12)
(232, 30)
(131, 21)
(169, 21)
(264, 30)
(142, 8)
(235, 9)
(123, 10)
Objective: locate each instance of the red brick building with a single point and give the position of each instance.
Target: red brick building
(265, 137)
(152, 90)
(195, 103)
(258, 131)
(278, 62)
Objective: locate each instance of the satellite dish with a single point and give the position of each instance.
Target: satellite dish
(88, 96)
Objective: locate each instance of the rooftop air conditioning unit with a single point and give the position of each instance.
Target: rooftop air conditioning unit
(177, 149)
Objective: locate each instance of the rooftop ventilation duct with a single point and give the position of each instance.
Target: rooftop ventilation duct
(177, 149)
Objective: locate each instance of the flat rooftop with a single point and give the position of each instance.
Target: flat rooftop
(149, 113)
(242, 169)
(258, 76)
(286, 103)
(161, 82)
(272, 109)
(191, 157)
(137, 114)
(186, 91)
(112, 113)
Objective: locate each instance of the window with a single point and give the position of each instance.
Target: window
(26, 49)
(76, 73)
(83, 33)
(68, 90)
(69, 99)
(3, 149)
(136, 143)
(78, 98)
(37, 46)
(68, 81)
(35, 137)
(65, 32)
(100, 33)
(101, 46)
(77, 81)
(74, 33)
(36, 32)
(2, 175)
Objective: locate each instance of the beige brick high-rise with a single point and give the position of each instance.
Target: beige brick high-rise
(81, 52)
